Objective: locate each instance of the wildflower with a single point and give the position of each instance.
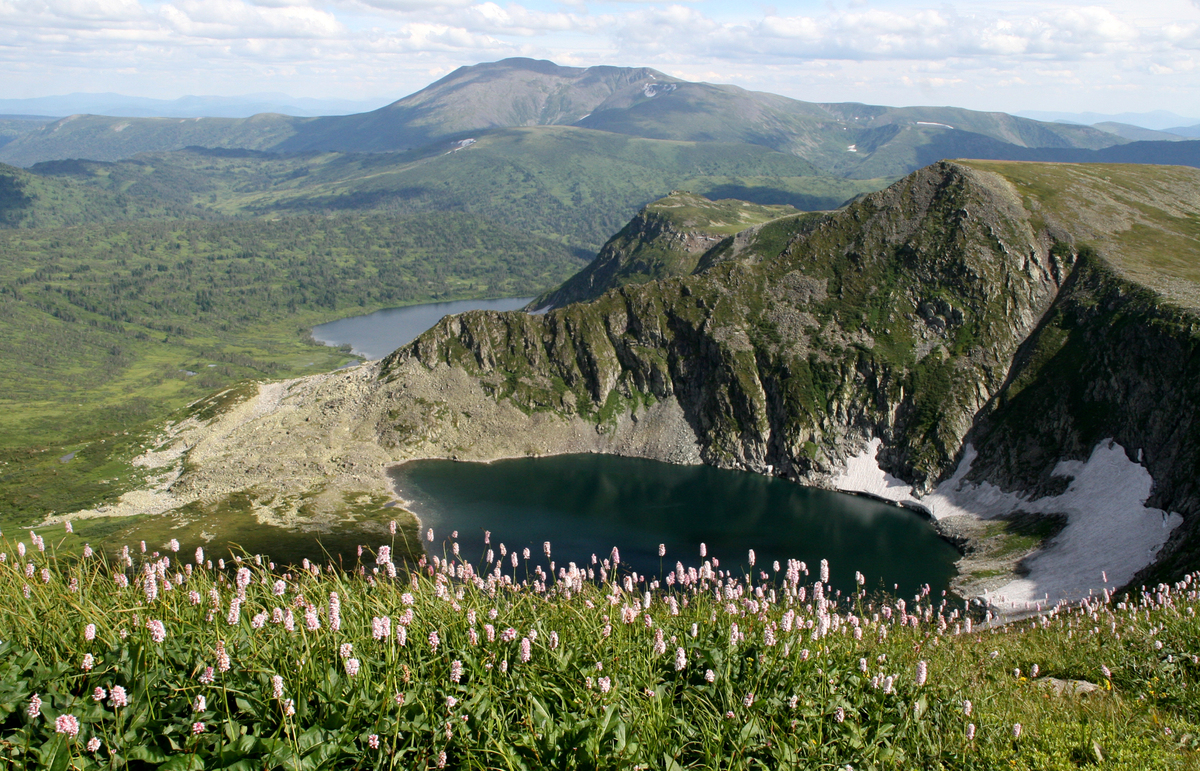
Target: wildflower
(1016, 730)
(402, 635)
(89, 632)
(259, 620)
(406, 598)
(429, 534)
(335, 612)
(173, 545)
(888, 683)
(87, 554)
(99, 694)
(526, 650)
(434, 640)
(279, 588)
(709, 676)
(199, 555)
(456, 671)
(311, 622)
(67, 724)
(35, 706)
(750, 558)
(1106, 671)
(207, 677)
(1017, 673)
(118, 697)
(680, 659)
(748, 701)
(451, 702)
(289, 707)
(967, 707)
(703, 551)
(970, 732)
(922, 672)
(840, 715)
(352, 667)
(197, 728)
(729, 715)
(373, 741)
(504, 666)
(93, 744)
(399, 699)
(194, 597)
(605, 684)
(1033, 671)
(381, 628)
(793, 702)
(88, 662)
(277, 686)
(200, 704)
(824, 571)
(441, 758)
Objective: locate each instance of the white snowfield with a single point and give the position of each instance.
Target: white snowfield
(1110, 531)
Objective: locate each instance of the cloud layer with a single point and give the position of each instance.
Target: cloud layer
(1006, 54)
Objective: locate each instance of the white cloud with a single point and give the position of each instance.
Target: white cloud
(971, 53)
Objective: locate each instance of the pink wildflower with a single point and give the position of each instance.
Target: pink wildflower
(352, 667)
(197, 728)
(35, 706)
(93, 744)
(67, 724)
(277, 686)
(89, 632)
(88, 662)
(922, 672)
(118, 697)
(373, 741)
(99, 694)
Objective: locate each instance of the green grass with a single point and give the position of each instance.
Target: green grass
(607, 681)
(109, 328)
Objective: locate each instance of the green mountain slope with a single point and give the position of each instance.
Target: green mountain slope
(37, 201)
(669, 237)
(105, 321)
(569, 184)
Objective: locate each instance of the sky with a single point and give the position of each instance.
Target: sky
(1008, 55)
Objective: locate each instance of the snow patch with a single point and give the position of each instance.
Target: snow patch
(652, 90)
(1110, 529)
(852, 148)
(931, 123)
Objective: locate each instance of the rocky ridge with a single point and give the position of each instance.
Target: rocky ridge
(960, 309)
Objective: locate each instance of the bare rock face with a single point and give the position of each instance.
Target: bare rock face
(897, 317)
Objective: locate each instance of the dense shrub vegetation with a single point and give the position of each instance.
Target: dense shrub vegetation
(165, 660)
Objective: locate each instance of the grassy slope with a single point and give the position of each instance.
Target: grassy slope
(667, 238)
(36, 201)
(102, 324)
(570, 184)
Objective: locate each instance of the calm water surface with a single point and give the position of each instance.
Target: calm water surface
(587, 504)
(378, 334)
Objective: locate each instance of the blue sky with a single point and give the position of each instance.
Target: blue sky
(1001, 55)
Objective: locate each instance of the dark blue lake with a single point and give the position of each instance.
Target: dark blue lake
(587, 504)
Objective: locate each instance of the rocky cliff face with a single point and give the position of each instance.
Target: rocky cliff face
(897, 317)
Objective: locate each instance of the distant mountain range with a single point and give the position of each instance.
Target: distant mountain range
(123, 106)
(843, 139)
(1158, 120)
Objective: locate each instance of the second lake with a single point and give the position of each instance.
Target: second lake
(375, 335)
